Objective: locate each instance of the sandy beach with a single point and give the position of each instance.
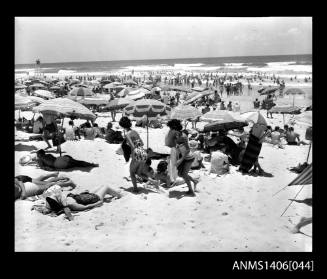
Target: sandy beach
(231, 212)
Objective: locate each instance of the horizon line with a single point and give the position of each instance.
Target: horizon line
(160, 59)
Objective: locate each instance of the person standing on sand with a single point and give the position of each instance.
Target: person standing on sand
(170, 141)
(50, 128)
(135, 142)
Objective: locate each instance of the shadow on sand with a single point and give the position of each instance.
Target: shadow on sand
(141, 190)
(24, 147)
(178, 194)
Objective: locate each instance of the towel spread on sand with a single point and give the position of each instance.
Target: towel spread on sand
(251, 154)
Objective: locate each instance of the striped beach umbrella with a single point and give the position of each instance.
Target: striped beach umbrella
(118, 103)
(217, 115)
(183, 112)
(64, 107)
(198, 89)
(268, 90)
(37, 85)
(135, 94)
(149, 107)
(193, 97)
(22, 102)
(285, 110)
(80, 91)
(304, 178)
(253, 116)
(43, 94)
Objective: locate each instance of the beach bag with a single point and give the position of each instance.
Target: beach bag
(85, 198)
(219, 163)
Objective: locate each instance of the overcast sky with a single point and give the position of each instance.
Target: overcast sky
(68, 39)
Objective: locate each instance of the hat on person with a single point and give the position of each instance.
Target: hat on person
(193, 144)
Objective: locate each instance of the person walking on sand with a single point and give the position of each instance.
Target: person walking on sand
(135, 142)
(174, 133)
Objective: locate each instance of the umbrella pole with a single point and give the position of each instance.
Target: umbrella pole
(293, 99)
(309, 152)
(283, 118)
(147, 132)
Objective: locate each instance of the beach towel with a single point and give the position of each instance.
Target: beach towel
(251, 154)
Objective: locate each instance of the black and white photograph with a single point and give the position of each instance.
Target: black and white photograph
(163, 134)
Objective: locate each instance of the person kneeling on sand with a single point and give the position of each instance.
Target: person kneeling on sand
(26, 186)
(48, 161)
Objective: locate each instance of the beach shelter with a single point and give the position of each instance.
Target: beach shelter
(80, 91)
(118, 103)
(43, 94)
(149, 107)
(294, 91)
(64, 107)
(285, 110)
(184, 112)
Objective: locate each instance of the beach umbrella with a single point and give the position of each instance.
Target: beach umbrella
(285, 110)
(268, 90)
(118, 103)
(253, 116)
(183, 112)
(93, 101)
(112, 85)
(20, 86)
(225, 124)
(74, 81)
(37, 85)
(130, 82)
(64, 107)
(82, 84)
(198, 89)
(193, 97)
(43, 94)
(80, 91)
(22, 102)
(261, 89)
(149, 107)
(36, 100)
(217, 115)
(154, 89)
(207, 92)
(294, 91)
(135, 94)
(55, 87)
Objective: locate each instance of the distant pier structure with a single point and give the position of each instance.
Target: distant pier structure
(38, 68)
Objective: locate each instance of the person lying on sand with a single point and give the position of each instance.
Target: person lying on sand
(48, 161)
(59, 202)
(26, 186)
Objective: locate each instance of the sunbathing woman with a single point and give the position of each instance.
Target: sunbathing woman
(59, 201)
(48, 161)
(26, 186)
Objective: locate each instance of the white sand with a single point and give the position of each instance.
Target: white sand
(231, 212)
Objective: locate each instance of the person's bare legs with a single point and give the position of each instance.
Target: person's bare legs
(102, 191)
(303, 222)
(133, 170)
(46, 176)
(188, 183)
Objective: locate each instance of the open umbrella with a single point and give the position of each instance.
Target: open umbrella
(55, 87)
(20, 86)
(80, 91)
(23, 102)
(285, 110)
(268, 90)
(135, 94)
(149, 107)
(253, 116)
(112, 85)
(36, 100)
(43, 94)
(118, 103)
(93, 101)
(154, 89)
(130, 82)
(294, 91)
(193, 97)
(225, 124)
(37, 85)
(198, 89)
(65, 107)
(183, 112)
(218, 115)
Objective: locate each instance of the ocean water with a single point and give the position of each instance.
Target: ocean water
(277, 64)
